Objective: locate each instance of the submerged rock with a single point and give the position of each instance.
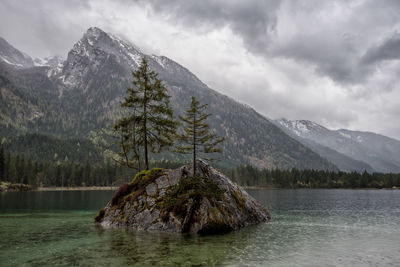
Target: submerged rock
(174, 201)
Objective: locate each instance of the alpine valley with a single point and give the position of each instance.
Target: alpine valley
(56, 109)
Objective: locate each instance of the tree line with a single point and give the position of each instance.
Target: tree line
(21, 170)
(18, 169)
(250, 176)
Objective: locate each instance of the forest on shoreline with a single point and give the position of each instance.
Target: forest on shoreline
(247, 175)
(17, 169)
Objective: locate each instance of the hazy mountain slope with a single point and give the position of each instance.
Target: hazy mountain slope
(47, 148)
(14, 57)
(378, 151)
(17, 107)
(381, 152)
(342, 161)
(83, 96)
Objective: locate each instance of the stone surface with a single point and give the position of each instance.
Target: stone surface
(144, 209)
(151, 189)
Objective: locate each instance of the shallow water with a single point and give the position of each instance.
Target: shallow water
(309, 228)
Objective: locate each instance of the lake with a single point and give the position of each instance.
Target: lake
(309, 228)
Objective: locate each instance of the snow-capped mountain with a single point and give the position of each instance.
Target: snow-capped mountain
(14, 57)
(380, 152)
(83, 97)
(97, 49)
(92, 51)
(303, 128)
(52, 62)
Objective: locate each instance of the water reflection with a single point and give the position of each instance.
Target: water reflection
(157, 248)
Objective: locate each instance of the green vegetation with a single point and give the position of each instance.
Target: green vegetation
(48, 148)
(250, 176)
(196, 133)
(146, 174)
(149, 124)
(2, 162)
(184, 198)
(137, 186)
(6, 186)
(20, 169)
(17, 169)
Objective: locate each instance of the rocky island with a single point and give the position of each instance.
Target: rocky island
(176, 201)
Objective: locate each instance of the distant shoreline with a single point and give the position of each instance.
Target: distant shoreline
(327, 188)
(113, 188)
(80, 188)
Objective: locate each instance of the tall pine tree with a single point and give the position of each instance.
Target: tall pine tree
(150, 125)
(196, 136)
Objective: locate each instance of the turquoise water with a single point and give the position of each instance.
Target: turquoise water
(309, 228)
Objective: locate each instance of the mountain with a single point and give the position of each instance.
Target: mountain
(371, 150)
(14, 57)
(53, 62)
(81, 98)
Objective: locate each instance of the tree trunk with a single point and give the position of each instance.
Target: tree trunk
(194, 144)
(146, 159)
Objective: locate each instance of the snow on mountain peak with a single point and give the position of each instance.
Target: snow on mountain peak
(160, 60)
(93, 49)
(55, 61)
(301, 127)
(351, 136)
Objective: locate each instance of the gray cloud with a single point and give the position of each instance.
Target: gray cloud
(387, 50)
(334, 48)
(41, 27)
(253, 20)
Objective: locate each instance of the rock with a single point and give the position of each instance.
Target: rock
(151, 189)
(174, 201)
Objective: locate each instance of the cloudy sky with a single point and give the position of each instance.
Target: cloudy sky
(334, 62)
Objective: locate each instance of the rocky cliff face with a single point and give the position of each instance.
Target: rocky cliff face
(174, 201)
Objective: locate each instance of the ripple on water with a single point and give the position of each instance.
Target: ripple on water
(309, 228)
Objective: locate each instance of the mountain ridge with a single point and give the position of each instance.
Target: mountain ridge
(380, 152)
(81, 99)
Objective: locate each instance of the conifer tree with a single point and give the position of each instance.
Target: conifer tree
(129, 156)
(150, 125)
(2, 163)
(196, 136)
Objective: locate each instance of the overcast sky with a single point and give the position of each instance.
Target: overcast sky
(333, 62)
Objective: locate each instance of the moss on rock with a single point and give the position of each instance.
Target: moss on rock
(239, 198)
(136, 187)
(184, 198)
(144, 175)
(191, 188)
(174, 201)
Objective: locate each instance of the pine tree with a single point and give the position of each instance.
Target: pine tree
(126, 129)
(150, 125)
(196, 136)
(2, 164)
(87, 174)
(7, 167)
